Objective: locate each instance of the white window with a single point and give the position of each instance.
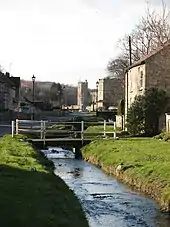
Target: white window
(140, 76)
(141, 79)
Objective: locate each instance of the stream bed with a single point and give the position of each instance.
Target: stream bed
(106, 201)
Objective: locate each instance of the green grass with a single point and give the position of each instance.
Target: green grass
(30, 194)
(98, 130)
(60, 127)
(146, 159)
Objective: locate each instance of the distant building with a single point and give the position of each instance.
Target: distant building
(93, 95)
(109, 93)
(69, 92)
(17, 84)
(93, 99)
(9, 92)
(82, 95)
(70, 95)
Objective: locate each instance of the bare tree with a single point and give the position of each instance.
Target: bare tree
(117, 67)
(56, 92)
(152, 31)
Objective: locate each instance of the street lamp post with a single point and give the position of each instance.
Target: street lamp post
(97, 84)
(33, 95)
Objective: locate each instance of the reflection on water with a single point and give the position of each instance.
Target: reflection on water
(106, 202)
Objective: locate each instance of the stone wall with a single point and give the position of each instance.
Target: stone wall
(110, 92)
(153, 72)
(158, 70)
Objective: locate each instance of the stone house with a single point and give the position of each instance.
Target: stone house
(109, 92)
(9, 92)
(152, 70)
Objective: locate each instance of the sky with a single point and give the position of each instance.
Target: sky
(64, 40)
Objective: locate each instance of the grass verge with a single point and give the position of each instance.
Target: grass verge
(30, 194)
(145, 164)
(95, 131)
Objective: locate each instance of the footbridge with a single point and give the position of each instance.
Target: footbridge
(47, 133)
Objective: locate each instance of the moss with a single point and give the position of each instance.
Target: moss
(145, 163)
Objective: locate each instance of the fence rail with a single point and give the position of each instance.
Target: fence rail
(46, 129)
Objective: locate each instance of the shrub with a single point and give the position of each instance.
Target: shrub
(143, 115)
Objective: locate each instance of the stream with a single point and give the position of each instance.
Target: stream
(106, 201)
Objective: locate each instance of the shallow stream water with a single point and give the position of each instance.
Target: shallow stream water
(107, 202)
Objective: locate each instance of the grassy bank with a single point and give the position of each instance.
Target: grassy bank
(145, 164)
(98, 130)
(30, 194)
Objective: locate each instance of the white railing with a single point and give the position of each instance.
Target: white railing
(43, 128)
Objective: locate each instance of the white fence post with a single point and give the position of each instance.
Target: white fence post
(114, 130)
(104, 132)
(166, 122)
(44, 132)
(82, 130)
(41, 133)
(13, 128)
(17, 126)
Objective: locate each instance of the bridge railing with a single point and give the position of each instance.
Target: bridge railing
(46, 129)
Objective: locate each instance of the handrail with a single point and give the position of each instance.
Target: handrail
(66, 131)
(29, 130)
(29, 121)
(65, 122)
(44, 130)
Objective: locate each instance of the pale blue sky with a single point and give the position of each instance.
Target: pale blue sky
(64, 40)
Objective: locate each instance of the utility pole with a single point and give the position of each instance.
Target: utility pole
(127, 74)
(130, 50)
